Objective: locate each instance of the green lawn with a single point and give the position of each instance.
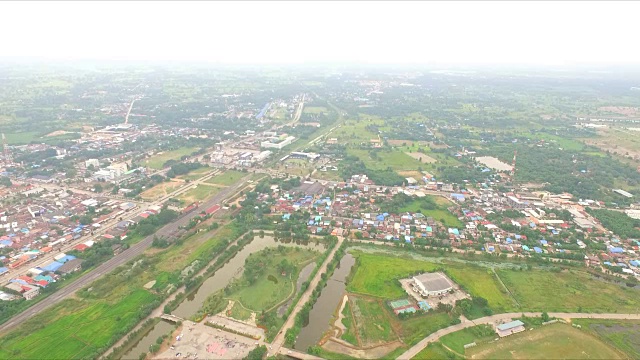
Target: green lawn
(479, 281)
(240, 313)
(372, 323)
(378, 274)
(270, 287)
(435, 351)
(195, 174)
(571, 291)
(556, 341)
(200, 193)
(417, 328)
(457, 340)
(227, 178)
(21, 138)
(395, 159)
(621, 334)
(78, 330)
(315, 109)
(350, 334)
(157, 161)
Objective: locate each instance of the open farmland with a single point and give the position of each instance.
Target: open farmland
(157, 161)
(195, 174)
(555, 341)
(315, 109)
(200, 193)
(227, 178)
(572, 291)
(160, 190)
(621, 334)
(395, 159)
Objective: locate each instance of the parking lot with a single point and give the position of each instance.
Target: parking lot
(198, 341)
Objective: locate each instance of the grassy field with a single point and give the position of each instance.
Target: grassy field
(271, 287)
(624, 335)
(378, 275)
(158, 160)
(417, 328)
(227, 178)
(350, 334)
(480, 281)
(160, 190)
(556, 341)
(478, 334)
(572, 291)
(21, 138)
(201, 193)
(442, 215)
(195, 174)
(82, 326)
(372, 324)
(315, 109)
(395, 159)
(435, 351)
(240, 313)
(354, 132)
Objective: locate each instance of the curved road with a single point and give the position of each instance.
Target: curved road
(117, 260)
(413, 351)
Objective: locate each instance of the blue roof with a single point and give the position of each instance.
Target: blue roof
(525, 247)
(66, 258)
(543, 242)
(607, 263)
(537, 249)
(616, 250)
(634, 263)
(3, 270)
(510, 325)
(52, 266)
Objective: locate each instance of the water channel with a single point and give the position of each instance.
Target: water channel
(218, 281)
(326, 304)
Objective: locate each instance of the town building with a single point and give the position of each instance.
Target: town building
(432, 284)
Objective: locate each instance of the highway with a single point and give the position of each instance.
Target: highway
(120, 259)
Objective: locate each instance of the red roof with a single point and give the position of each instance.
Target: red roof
(26, 278)
(144, 215)
(42, 283)
(81, 247)
(212, 209)
(46, 249)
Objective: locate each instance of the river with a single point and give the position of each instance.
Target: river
(218, 281)
(327, 303)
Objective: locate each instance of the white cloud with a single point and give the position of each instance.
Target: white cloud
(282, 32)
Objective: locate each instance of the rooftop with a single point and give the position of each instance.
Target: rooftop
(434, 281)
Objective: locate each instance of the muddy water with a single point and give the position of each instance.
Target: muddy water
(326, 304)
(304, 276)
(142, 346)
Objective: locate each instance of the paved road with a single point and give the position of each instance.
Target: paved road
(279, 339)
(413, 351)
(118, 260)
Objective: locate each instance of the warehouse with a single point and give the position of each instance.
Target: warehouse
(432, 284)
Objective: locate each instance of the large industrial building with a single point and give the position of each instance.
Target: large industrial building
(432, 284)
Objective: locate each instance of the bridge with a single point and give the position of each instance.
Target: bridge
(171, 317)
(297, 354)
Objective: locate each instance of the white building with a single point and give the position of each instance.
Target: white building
(279, 145)
(432, 284)
(92, 162)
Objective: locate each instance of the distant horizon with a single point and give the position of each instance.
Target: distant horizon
(558, 33)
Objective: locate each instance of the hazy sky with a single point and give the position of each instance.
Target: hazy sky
(543, 32)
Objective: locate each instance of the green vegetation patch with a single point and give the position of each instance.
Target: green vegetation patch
(568, 291)
(435, 351)
(621, 334)
(227, 178)
(372, 323)
(381, 159)
(83, 327)
(195, 174)
(457, 340)
(349, 335)
(269, 277)
(378, 274)
(556, 341)
(157, 161)
(201, 192)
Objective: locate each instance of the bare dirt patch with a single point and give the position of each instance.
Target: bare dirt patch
(57, 133)
(411, 173)
(622, 110)
(423, 158)
(376, 352)
(160, 190)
